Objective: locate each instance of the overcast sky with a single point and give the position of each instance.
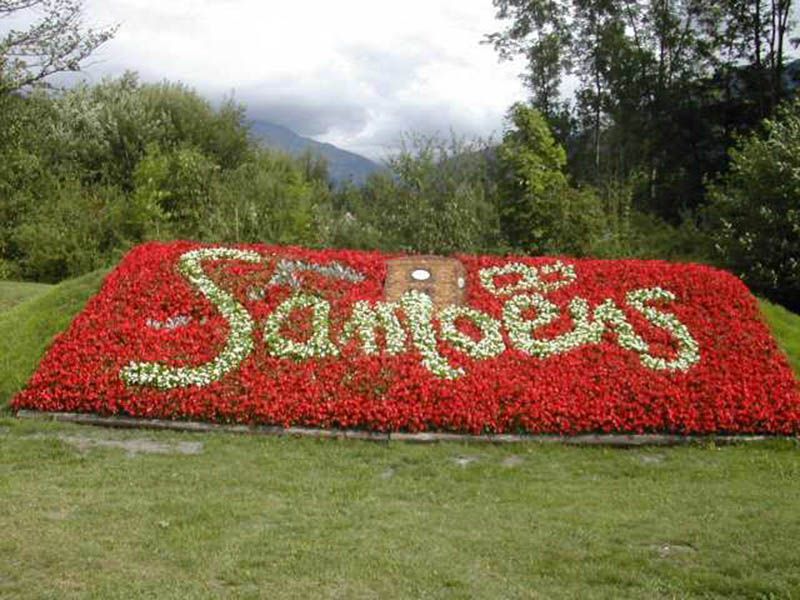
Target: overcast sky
(355, 73)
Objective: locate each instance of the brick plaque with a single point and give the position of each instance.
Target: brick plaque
(443, 279)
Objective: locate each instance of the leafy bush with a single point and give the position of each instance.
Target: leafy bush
(754, 209)
(269, 199)
(66, 234)
(175, 186)
(438, 198)
(104, 130)
(539, 212)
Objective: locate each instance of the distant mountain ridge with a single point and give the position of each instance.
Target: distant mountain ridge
(343, 166)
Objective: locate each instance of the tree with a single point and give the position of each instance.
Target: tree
(539, 31)
(106, 128)
(758, 32)
(55, 41)
(664, 85)
(755, 209)
(269, 198)
(438, 198)
(539, 211)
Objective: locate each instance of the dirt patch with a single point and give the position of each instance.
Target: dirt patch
(672, 550)
(131, 446)
(512, 461)
(652, 459)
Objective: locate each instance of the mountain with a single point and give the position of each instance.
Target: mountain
(342, 165)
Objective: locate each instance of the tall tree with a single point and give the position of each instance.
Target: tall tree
(539, 31)
(663, 85)
(539, 211)
(53, 40)
(755, 209)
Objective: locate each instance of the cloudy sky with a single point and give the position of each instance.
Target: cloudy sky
(355, 73)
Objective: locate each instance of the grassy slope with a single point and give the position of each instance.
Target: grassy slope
(27, 328)
(786, 328)
(14, 292)
(252, 517)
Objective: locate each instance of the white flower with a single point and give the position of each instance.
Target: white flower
(238, 346)
(366, 319)
(318, 345)
(530, 280)
(418, 307)
(689, 349)
(606, 316)
(491, 343)
(520, 330)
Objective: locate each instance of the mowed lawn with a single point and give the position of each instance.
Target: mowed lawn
(92, 512)
(15, 292)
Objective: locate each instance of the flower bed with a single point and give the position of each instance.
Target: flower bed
(290, 336)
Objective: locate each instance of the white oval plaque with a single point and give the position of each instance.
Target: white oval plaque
(421, 274)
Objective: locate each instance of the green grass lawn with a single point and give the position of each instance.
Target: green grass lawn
(251, 516)
(14, 292)
(786, 329)
(27, 328)
(297, 518)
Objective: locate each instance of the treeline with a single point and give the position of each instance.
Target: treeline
(88, 172)
(663, 87)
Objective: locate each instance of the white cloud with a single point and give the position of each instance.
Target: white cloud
(354, 73)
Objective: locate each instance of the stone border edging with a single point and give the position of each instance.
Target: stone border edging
(609, 439)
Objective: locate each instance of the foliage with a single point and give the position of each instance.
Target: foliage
(539, 212)
(24, 172)
(156, 161)
(54, 40)
(67, 233)
(141, 161)
(270, 198)
(438, 198)
(175, 186)
(755, 209)
(631, 232)
(103, 131)
(663, 86)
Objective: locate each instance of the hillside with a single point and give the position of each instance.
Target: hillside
(14, 292)
(343, 166)
(36, 314)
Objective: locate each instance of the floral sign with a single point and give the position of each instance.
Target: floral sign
(291, 336)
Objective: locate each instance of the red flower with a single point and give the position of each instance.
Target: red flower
(148, 312)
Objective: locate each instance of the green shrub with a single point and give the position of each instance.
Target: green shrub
(540, 212)
(64, 235)
(437, 198)
(102, 131)
(267, 199)
(754, 209)
(175, 186)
